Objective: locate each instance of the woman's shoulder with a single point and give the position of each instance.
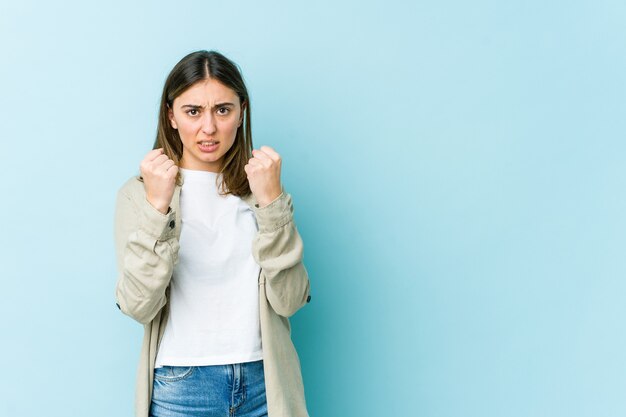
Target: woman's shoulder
(133, 186)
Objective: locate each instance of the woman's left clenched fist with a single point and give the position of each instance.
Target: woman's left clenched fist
(263, 171)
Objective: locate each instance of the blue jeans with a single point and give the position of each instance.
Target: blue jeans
(209, 391)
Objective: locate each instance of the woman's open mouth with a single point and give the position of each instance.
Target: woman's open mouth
(208, 145)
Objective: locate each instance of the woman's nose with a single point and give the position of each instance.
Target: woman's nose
(208, 123)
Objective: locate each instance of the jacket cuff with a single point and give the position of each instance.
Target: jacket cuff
(156, 224)
(276, 214)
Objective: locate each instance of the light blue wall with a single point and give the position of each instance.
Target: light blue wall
(458, 172)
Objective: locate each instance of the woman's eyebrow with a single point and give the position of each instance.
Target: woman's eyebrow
(197, 106)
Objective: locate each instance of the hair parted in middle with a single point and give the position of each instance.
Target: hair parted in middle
(199, 66)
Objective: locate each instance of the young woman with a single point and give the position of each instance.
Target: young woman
(209, 257)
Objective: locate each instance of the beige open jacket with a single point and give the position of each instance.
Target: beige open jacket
(147, 243)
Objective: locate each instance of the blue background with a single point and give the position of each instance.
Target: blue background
(458, 173)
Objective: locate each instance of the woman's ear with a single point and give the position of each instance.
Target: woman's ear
(170, 115)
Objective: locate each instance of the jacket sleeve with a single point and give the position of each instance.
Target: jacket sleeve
(146, 249)
(278, 249)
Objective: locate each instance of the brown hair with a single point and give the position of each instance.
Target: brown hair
(198, 66)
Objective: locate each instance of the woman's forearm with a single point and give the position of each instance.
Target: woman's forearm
(146, 248)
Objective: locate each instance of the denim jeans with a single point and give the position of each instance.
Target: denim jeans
(209, 391)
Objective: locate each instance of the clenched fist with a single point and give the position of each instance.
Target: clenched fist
(263, 171)
(159, 178)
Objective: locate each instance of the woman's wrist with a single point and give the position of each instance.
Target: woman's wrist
(266, 201)
(161, 207)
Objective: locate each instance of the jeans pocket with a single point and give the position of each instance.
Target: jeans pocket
(169, 373)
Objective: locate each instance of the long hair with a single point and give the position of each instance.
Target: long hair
(198, 66)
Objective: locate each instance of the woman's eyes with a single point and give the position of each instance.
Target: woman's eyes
(221, 111)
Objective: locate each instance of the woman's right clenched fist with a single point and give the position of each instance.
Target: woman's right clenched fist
(159, 178)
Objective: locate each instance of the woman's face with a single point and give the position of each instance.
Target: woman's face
(206, 116)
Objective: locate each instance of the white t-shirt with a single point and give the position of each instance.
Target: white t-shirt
(214, 294)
